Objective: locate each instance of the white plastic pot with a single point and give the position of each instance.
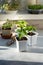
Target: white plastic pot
(21, 45)
(11, 12)
(32, 40)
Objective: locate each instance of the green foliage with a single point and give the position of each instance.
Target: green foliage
(21, 33)
(5, 6)
(35, 7)
(31, 28)
(13, 5)
(22, 28)
(7, 25)
(21, 23)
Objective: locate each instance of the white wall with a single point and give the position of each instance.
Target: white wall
(40, 1)
(34, 1)
(31, 2)
(23, 3)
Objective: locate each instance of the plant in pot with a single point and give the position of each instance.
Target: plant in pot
(21, 36)
(13, 6)
(32, 35)
(35, 9)
(6, 30)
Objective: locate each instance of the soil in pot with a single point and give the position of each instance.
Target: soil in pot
(31, 33)
(21, 44)
(23, 38)
(6, 29)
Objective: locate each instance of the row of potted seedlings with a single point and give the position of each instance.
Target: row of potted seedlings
(25, 36)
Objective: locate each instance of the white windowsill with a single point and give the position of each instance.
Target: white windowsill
(21, 16)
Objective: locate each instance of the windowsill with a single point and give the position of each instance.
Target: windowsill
(21, 16)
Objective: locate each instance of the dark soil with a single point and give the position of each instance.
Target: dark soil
(31, 33)
(23, 38)
(6, 29)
